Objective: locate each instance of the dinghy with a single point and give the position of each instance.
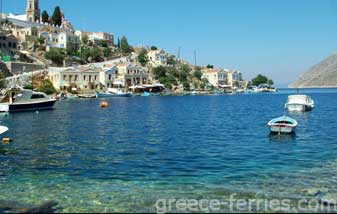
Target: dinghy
(283, 124)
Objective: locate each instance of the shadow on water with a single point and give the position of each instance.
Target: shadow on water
(282, 138)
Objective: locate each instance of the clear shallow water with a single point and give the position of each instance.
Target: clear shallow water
(141, 149)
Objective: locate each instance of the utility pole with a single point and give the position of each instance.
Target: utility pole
(195, 58)
(178, 55)
(1, 15)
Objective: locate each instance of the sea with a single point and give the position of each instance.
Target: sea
(139, 150)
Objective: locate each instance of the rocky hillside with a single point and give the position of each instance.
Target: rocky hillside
(324, 74)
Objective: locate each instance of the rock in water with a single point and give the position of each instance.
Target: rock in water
(324, 74)
(14, 207)
(48, 207)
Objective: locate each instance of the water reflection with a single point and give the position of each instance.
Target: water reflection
(282, 138)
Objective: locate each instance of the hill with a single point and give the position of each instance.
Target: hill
(322, 75)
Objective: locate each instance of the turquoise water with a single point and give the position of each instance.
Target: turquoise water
(141, 149)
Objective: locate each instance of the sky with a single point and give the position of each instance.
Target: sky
(277, 38)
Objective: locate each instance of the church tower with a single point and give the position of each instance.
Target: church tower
(33, 11)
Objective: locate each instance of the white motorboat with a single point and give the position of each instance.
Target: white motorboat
(299, 103)
(283, 124)
(19, 99)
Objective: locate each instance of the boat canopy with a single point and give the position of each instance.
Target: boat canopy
(300, 99)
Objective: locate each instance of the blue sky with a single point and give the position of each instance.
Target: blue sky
(278, 38)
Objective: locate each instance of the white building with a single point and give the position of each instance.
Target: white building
(131, 75)
(108, 75)
(97, 37)
(60, 40)
(215, 77)
(84, 78)
(157, 58)
(234, 77)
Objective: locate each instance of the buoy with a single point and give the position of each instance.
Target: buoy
(104, 104)
(6, 140)
(37, 112)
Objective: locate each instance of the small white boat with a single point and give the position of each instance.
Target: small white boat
(113, 92)
(3, 129)
(299, 103)
(283, 124)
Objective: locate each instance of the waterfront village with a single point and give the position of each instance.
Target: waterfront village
(45, 53)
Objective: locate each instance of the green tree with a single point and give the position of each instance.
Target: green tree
(104, 43)
(184, 72)
(159, 72)
(85, 40)
(171, 60)
(209, 66)
(55, 55)
(186, 86)
(118, 43)
(95, 54)
(125, 47)
(45, 17)
(259, 79)
(3, 83)
(41, 40)
(47, 87)
(198, 74)
(270, 82)
(142, 57)
(28, 86)
(107, 52)
(71, 49)
(154, 48)
(56, 19)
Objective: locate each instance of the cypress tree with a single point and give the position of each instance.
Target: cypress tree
(56, 19)
(45, 17)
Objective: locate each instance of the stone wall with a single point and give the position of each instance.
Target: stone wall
(21, 67)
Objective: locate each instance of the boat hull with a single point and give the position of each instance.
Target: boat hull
(298, 107)
(282, 129)
(107, 95)
(31, 106)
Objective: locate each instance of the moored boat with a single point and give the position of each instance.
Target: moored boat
(283, 124)
(108, 94)
(19, 99)
(299, 103)
(87, 96)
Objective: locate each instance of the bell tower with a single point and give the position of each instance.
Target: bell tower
(33, 11)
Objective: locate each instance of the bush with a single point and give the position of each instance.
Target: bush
(186, 86)
(142, 57)
(198, 74)
(47, 87)
(28, 86)
(55, 55)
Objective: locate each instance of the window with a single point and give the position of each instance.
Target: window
(109, 76)
(76, 77)
(70, 77)
(89, 78)
(64, 77)
(95, 77)
(84, 77)
(37, 96)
